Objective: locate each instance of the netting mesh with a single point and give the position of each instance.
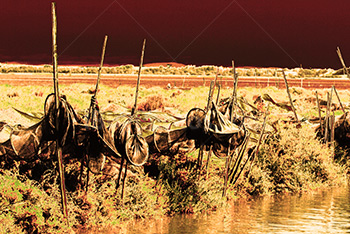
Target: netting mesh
(26, 142)
(128, 139)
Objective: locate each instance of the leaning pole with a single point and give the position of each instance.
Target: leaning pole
(55, 84)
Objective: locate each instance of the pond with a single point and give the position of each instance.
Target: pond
(326, 211)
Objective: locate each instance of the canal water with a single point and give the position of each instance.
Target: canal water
(326, 211)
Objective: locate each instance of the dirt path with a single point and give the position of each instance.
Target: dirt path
(179, 81)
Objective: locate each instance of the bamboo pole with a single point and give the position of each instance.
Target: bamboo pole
(93, 98)
(56, 91)
(332, 127)
(208, 161)
(234, 94)
(259, 141)
(327, 119)
(215, 81)
(211, 88)
(133, 111)
(101, 65)
(227, 168)
(234, 170)
(290, 98)
(211, 147)
(336, 93)
(235, 78)
(319, 111)
(342, 62)
(201, 148)
(218, 95)
(138, 78)
(93, 102)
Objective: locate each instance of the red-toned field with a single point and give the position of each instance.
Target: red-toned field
(179, 81)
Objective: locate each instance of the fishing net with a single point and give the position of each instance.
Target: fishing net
(127, 135)
(25, 142)
(96, 141)
(136, 149)
(167, 140)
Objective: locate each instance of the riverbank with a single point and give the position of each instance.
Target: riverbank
(291, 160)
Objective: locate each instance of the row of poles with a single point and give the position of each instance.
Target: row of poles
(329, 119)
(91, 118)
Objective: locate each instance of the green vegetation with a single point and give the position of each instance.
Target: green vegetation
(290, 161)
(188, 70)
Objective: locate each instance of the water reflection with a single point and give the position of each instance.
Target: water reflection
(325, 211)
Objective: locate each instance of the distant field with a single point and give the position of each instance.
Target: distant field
(180, 81)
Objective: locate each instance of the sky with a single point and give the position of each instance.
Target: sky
(269, 33)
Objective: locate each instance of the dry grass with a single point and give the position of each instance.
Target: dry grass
(290, 161)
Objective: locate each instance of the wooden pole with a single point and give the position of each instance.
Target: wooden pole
(234, 94)
(138, 78)
(215, 81)
(93, 99)
(235, 78)
(227, 166)
(235, 168)
(218, 95)
(92, 108)
(290, 98)
(336, 93)
(211, 147)
(327, 119)
(332, 127)
(209, 95)
(259, 141)
(101, 64)
(201, 148)
(342, 62)
(208, 161)
(56, 91)
(319, 112)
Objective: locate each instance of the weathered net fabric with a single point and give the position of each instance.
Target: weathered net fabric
(25, 142)
(225, 135)
(126, 133)
(169, 141)
(96, 142)
(211, 128)
(73, 134)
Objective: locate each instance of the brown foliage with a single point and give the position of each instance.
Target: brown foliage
(152, 103)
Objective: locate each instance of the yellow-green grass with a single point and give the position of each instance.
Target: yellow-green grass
(290, 161)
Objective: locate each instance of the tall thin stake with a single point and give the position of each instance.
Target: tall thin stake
(211, 88)
(259, 141)
(336, 93)
(215, 81)
(93, 99)
(138, 78)
(332, 127)
(201, 148)
(327, 118)
(133, 110)
(227, 166)
(211, 147)
(290, 98)
(319, 111)
(55, 82)
(235, 78)
(93, 102)
(342, 62)
(234, 94)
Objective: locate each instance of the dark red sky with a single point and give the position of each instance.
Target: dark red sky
(264, 33)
